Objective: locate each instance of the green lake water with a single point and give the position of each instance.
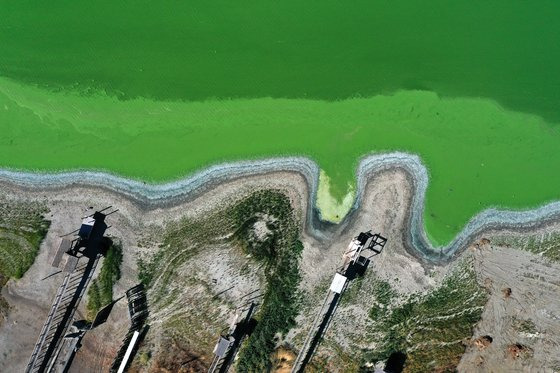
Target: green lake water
(156, 90)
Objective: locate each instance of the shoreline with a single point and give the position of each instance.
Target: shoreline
(158, 195)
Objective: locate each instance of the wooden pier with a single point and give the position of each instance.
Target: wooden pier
(61, 315)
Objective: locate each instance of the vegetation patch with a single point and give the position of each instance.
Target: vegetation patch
(22, 229)
(179, 242)
(339, 359)
(192, 319)
(546, 245)
(352, 291)
(524, 326)
(175, 358)
(262, 227)
(279, 252)
(429, 330)
(384, 294)
(100, 292)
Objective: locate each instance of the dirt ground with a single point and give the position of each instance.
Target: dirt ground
(522, 316)
(30, 297)
(516, 344)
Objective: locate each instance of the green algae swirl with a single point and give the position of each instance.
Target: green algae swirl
(478, 154)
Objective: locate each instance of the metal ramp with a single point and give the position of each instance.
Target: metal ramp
(318, 328)
(62, 311)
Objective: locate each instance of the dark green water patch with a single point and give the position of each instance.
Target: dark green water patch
(505, 50)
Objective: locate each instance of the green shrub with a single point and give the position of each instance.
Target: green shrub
(100, 292)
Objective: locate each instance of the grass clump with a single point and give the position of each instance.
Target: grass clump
(430, 329)
(352, 292)
(524, 326)
(383, 292)
(22, 229)
(100, 292)
(384, 295)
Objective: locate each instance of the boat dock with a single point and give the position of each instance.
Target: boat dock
(78, 259)
(354, 264)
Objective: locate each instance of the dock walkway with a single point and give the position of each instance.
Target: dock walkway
(318, 328)
(62, 311)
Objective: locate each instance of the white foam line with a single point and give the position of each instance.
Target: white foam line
(491, 218)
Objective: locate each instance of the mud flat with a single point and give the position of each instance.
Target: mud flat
(160, 195)
(389, 188)
(30, 297)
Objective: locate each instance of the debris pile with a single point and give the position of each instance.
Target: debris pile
(518, 350)
(482, 342)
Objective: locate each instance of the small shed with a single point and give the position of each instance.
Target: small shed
(338, 283)
(86, 227)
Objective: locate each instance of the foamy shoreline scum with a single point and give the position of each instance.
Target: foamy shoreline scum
(156, 194)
